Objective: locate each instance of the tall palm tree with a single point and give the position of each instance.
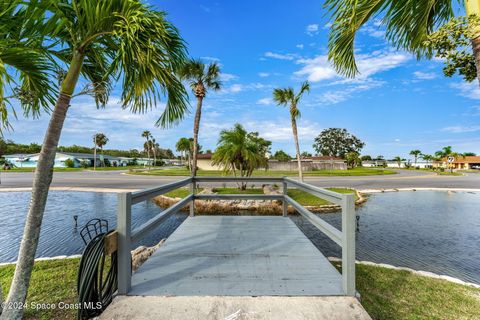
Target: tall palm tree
(146, 134)
(99, 41)
(100, 140)
(184, 146)
(288, 97)
(415, 153)
(201, 78)
(408, 24)
(155, 147)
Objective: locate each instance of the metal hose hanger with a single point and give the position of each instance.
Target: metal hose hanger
(97, 278)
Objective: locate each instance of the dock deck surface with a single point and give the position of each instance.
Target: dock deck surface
(237, 256)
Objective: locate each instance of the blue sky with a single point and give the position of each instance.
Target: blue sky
(397, 103)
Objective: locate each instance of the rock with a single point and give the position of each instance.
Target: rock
(207, 190)
(142, 253)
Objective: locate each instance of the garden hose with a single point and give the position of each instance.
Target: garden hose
(96, 286)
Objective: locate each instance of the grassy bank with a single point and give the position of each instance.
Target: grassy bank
(386, 293)
(302, 197)
(263, 173)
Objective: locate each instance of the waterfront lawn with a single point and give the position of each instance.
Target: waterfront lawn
(52, 281)
(385, 293)
(302, 197)
(398, 294)
(268, 173)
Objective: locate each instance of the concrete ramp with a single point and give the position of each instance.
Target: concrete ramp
(234, 308)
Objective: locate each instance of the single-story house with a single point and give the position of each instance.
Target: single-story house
(31, 160)
(464, 163)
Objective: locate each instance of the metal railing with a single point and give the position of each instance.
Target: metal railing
(344, 238)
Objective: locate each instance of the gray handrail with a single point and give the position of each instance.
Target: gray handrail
(146, 194)
(345, 238)
(332, 232)
(151, 224)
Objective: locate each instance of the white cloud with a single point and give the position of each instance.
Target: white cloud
(279, 56)
(227, 77)
(319, 68)
(312, 29)
(373, 29)
(461, 129)
(468, 90)
(300, 46)
(265, 101)
(235, 88)
(346, 92)
(424, 75)
(263, 74)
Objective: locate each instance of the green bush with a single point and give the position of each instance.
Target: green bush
(69, 163)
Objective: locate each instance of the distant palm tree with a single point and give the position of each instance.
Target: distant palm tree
(287, 97)
(184, 147)
(427, 157)
(146, 134)
(100, 140)
(201, 78)
(398, 159)
(415, 153)
(408, 25)
(98, 42)
(239, 151)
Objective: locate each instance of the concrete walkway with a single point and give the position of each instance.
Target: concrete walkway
(234, 308)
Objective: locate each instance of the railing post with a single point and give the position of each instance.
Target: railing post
(348, 244)
(192, 203)
(124, 227)
(284, 202)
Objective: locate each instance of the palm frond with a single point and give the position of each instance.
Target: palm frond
(407, 25)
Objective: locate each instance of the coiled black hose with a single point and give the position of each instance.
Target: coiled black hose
(96, 286)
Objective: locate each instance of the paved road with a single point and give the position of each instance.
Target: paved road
(120, 180)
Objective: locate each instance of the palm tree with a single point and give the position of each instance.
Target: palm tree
(184, 146)
(398, 159)
(155, 147)
(239, 151)
(415, 153)
(99, 140)
(201, 79)
(286, 97)
(99, 41)
(427, 157)
(408, 24)
(146, 134)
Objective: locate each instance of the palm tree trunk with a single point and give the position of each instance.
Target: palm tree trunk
(196, 127)
(41, 185)
(297, 147)
(476, 54)
(95, 157)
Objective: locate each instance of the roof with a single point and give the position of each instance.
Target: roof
(466, 159)
(206, 156)
(322, 158)
(17, 155)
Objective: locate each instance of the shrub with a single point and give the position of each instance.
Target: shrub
(84, 164)
(69, 163)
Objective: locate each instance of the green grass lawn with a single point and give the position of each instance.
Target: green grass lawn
(386, 293)
(448, 173)
(263, 173)
(302, 197)
(402, 295)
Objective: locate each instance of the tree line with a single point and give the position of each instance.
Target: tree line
(11, 147)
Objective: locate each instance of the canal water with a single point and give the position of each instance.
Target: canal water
(434, 231)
